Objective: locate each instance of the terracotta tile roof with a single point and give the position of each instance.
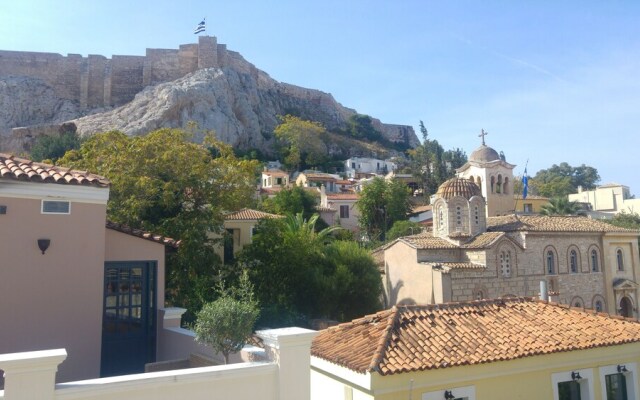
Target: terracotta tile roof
(420, 209)
(483, 240)
(275, 172)
(426, 240)
(319, 176)
(247, 214)
(167, 241)
(541, 223)
(417, 338)
(26, 170)
(344, 182)
(342, 196)
(456, 265)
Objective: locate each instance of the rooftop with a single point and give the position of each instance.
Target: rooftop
(418, 338)
(247, 214)
(555, 223)
(21, 169)
(167, 241)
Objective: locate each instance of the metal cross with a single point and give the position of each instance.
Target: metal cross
(482, 135)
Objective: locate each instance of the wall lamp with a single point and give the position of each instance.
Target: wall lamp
(448, 395)
(622, 369)
(43, 244)
(575, 376)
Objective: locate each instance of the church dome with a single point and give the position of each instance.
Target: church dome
(484, 154)
(458, 187)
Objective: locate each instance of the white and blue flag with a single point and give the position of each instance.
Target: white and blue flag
(200, 27)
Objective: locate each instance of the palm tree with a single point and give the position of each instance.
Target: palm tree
(298, 226)
(560, 206)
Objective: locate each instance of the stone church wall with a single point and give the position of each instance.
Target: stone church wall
(96, 81)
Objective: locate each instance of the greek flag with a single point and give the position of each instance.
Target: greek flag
(525, 184)
(200, 27)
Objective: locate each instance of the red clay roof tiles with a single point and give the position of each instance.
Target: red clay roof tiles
(416, 338)
(249, 214)
(167, 241)
(542, 223)
(12, 167)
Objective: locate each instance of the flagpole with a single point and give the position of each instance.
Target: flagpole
(524, 188)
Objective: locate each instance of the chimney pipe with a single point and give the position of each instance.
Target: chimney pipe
(544, 293)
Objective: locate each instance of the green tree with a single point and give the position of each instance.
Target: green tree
(301, 143)
(560, 206)
(226, 324)
(403, 228)
(561, 180)
(162, 182)
(381, 204)
(292, 200)
(431, 164)
(360, 126)
(53, 147)
(356, 286)
(625, 220)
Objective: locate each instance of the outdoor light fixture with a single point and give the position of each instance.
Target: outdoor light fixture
(575, 376)
(43, 244)
(622, 369)
(448, 395)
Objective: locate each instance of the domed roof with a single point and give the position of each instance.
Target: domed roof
(484, 154)
(458, 187)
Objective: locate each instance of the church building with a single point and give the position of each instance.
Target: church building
(472, 253)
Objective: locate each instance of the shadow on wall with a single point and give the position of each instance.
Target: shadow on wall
(393, 292)
(407, 301)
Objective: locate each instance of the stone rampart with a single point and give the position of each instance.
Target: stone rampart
(96, 81)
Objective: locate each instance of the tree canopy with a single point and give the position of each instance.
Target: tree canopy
(300, 143)
(226, 324)
(431, 164)
(301, 274)
(162, 182)
(381, 204)
(53, 147)
(561, 180)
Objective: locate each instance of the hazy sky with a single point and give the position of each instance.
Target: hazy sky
(550, 81)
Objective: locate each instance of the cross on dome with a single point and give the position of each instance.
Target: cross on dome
(482, 135)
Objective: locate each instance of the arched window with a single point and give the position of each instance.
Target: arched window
(499, 184)
(573, 261)
(440, 217)
(598, 306)
(505, 264)
(479, 182)
(551, 262)
(505, 186)
(493, 183)
(594, 261)
(476, 214)
(479, 295)
(577, 302)
(458, 218)
(620, 260)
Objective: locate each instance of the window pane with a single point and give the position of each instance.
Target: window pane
(569, 390)
(55, 207)
(616, 387)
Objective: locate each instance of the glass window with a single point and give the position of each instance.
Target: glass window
(528, 207)
(594, 261)
(573, 261)
(598, 305)
(505, 264)
(620, 260)
(569, 390)
(616, 386)
(551, 263)
(344, 211)
(56, 207)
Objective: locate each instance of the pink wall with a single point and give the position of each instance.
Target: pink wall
(123, 247)
(53, 300)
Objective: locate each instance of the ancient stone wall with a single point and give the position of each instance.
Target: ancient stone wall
(96, 81)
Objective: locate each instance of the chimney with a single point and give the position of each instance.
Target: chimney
(544, 293)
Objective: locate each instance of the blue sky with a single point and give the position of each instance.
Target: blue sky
(550, 81)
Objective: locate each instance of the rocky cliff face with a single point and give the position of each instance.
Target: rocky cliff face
(238, 101)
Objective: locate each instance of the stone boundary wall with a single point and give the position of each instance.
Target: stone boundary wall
(96, 81)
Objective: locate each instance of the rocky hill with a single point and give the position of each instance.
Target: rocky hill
(229, 95)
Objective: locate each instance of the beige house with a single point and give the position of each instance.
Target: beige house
(492, 349)
(315, 179)
(607, 200)
(67, 280)
(239, 226)
(272, 181)
(583, 262)
(340, 209)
